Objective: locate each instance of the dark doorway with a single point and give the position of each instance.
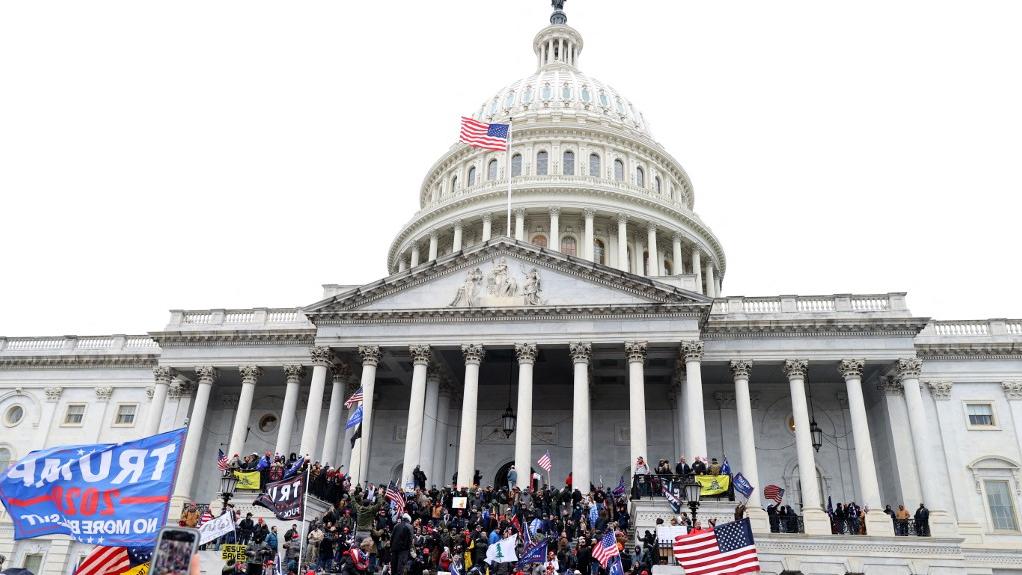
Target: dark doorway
(500, 480)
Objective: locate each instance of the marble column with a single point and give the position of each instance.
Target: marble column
(941, 523)
(678, 385)
(196, 426)
(697, 268)
(711, 286)
(526, 354)
(249, 375)
(335, 415)
(740, 371)
(473, 354)
(434, 244)
(322, 361)
(456, 243)
(587, 247)
(554, 242)
(487, 227)
(442, 426)
(288, 413)
(635, 351)
(520, 224)
(948, 415)
(695, 419)
(678, 262)
(429, 426)
(815, 519)
(421, 356)
(402, 265)
(581, 465)
(654, 257)
(162, 376)
(415, 255)
(622, 242)
(1013, 393)
(877, 522)
(370, 355)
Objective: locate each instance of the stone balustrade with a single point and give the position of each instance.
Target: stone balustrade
(255, 318)
(973, 328)
(78, 345)
(816, 304)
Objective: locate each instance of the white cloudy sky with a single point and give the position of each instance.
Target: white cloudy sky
(195, 154)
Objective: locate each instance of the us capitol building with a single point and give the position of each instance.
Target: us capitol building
(597, 317)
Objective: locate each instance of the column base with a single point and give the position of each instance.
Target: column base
(816, 522)
(879, 523)
(758, 520)
(942, 524)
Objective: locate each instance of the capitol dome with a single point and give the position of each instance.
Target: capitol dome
(586, 176)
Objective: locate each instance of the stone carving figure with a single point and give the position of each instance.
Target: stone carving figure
(467, 291)
(500, 283)
(532, 289)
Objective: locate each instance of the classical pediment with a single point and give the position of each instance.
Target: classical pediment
(503, 274)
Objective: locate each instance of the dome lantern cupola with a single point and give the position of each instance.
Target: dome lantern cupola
(558, 44)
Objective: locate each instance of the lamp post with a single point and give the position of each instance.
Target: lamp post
(508, 420)
(228, 481)
(691, 489)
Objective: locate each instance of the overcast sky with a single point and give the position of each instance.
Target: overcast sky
(198, 154)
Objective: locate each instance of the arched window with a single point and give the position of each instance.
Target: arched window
(566, 93)
(454, 185)
(668, 268)
(491, 170)
(586, 95)
(509, 100)
(569, 246)
(527, 95)
(656, 184)
(516, 165)
(603, 100)
(546, 92)
(493, 107)
(542, 160)
(5, 458)
(539, 240)
(640, 177)
(619, 170)
(599, 253)
(569, 163)
(594, 165)
(472, 176)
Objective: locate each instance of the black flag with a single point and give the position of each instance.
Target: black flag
(356, 435)
(286, 499)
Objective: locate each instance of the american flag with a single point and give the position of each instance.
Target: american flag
(355, 398)
(486, 136)
(207, 515)
(773, 492)
(606, 548)
(104, 561)
(544, 462)
(727, 548)
(394, 494)
(221, 461)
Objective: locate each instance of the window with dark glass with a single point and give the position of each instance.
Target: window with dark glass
(568, 163)
(640, 177)
(491, 170)
(594, 165)
(542, 161)
(619, 170)
(599, 252)
(568, 246)
(472, 176)
(516, 165)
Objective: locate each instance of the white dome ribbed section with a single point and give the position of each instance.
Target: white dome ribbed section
(586, 176)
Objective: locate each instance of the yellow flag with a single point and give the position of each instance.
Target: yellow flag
(713, 484)
(247, 479)
(142, 569)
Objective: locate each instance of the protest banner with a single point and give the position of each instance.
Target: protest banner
(230, 551)
(109, 494)
(215, 528)
(285, 498)
(247, 480)
(713, 484)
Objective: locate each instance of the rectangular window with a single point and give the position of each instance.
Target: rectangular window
(125, 415)
(75, 414)
(33, 562)
(1002, 508)
(980, 414)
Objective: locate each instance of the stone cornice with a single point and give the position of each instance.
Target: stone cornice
(458, 315)
(76, 361)
(809, 327)
(965, 350)
(169, 339)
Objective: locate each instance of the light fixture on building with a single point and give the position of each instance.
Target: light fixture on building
(814, 429)
(228, 482)
(508, 420)
(691, 489)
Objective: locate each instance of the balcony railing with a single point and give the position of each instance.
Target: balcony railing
(255, 318)
(870, 303)
(973, 328)
(78, 345)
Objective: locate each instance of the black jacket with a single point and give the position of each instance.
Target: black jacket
(401, 537)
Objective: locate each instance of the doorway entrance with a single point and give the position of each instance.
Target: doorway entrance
(500, 480)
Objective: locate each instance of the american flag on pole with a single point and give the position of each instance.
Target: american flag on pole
(726, 549)
(482, 135)
(394, 494)
(221, 461)
(773, 492)
(605, 549)
(104, 560)
(207, 515)
(355, 398)
(545, 462)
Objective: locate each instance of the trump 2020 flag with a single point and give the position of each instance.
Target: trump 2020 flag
(113, 494)
(673, 500)
(355, 419)
(286, 499)
(743, 486)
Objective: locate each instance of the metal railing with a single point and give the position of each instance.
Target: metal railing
(654, 485)
(786, 524)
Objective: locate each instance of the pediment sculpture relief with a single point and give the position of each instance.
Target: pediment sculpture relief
(500, 289)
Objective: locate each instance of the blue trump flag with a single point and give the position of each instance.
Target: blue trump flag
(673, 500)
(533, 553)
(615, 567)
(113, 494)
(742, 485)
(725, 469)
(355, 419)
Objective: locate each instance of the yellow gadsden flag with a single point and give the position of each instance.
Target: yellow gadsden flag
(247, 479)
(713, 484)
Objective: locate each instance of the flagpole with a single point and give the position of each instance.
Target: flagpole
(305, 504)
(509, 178)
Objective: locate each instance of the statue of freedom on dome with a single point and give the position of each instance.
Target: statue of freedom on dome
(558, 4)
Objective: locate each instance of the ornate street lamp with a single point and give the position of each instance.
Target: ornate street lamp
(508, 420)
(228, 482)
(690, 490)
(817, 435)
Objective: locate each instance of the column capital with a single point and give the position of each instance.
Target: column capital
(1012, 390)
(293, 371)
(740, 368)
(519, 212)
(890, 386)
(162, 374)
(555, 211)
(849, 368)
(580, 351)
(940, 389)
(795, 368)
(321, 356)
(622, 218)
(104, 392)
(526, 352)
(489, 217)
(909, 368)
(676, 236)
(433, 234)
(179, 389)
(635, 351)
(692, 350)
(341, 371)
(421, 354)
(588, 213)
(370, 354)
(250, 373)
(457, 224)
(205, 374)
(473, 353)
(651, 227)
